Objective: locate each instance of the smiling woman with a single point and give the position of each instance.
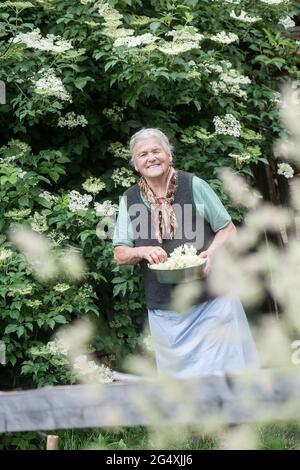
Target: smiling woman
(175, 207)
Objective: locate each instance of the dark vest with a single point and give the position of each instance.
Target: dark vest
(158, 295)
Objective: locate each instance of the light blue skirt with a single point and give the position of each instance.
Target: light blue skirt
(213, 337)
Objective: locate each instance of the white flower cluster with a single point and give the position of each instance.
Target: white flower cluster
(78, 201)
(34, 40)
(17, 214)
(48, 196)
(176, 48)
(123, 177)
(111, 15)
(287, 22)
(147, 343)
(185, 34)
(184, 256)
(244, 17)
(118, 150)
(93, 185)
(105, 209)
(61, 287)
(4, 254)
(19, 290)
(57, 347)
(118, 32)
(224, 38)
(21, 174)
(57, 238)
(33, 303)
(135, 41)
(240, 158)
(229, 83)
(71, 120)
(51, 85)
(114, 114)
(92, 371)
(274, 2)
(227, 125)
(285, 169)
(184, 39)
(39, 223)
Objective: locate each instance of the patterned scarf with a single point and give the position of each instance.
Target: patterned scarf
(162, 212)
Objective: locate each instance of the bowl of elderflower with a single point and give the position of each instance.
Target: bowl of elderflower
(182, 265)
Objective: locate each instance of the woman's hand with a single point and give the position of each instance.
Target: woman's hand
(153, 254)
(207, 256)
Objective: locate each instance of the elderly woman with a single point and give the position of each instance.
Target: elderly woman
(213, 336)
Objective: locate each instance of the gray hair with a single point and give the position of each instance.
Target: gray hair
(147, 133)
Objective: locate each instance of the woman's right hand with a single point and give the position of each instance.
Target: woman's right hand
(153, 254)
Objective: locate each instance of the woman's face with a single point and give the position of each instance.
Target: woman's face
(150, 158)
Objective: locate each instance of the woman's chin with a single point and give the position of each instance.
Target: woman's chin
(155, 171)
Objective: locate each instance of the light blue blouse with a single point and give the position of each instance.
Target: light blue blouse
(214, 212)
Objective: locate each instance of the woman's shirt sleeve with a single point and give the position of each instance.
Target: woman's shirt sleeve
(214, 211)
(123, 234)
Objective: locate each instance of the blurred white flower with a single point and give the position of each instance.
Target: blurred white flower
(285, 169)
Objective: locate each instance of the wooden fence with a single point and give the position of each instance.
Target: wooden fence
(266, 395)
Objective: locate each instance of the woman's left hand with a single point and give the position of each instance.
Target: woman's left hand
(206, 255)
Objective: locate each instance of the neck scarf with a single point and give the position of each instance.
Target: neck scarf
(162, 212)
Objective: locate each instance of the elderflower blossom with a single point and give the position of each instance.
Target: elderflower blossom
(51, 85)
(57, 347)
(17, 214)
(50, 198)
(184, 256)
(33, 303)
(93, 185)
(117, 33)
(224, 38)
(229, 82)
(285, 169)
(175, 48)
(92, 371)
(105, 209)
(185, 34)
(123, 177)
(78, 201)
(4, 254)
(71, 120)
(244, 17)
(114, 114)
(39, 223)
(34, 40)
(227, 125)
(24, 290)
(274, 2)
(135, 41)
(57, 238)
(61, 287)
(287, 22)
(118, 150)
(240, 158)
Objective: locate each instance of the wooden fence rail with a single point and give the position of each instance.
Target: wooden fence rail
(268, 394)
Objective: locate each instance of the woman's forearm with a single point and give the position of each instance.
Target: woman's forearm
(127, 255)
(221, 237)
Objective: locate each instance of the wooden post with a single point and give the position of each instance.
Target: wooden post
(52, 442)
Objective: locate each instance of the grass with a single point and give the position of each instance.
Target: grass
(272, 436)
